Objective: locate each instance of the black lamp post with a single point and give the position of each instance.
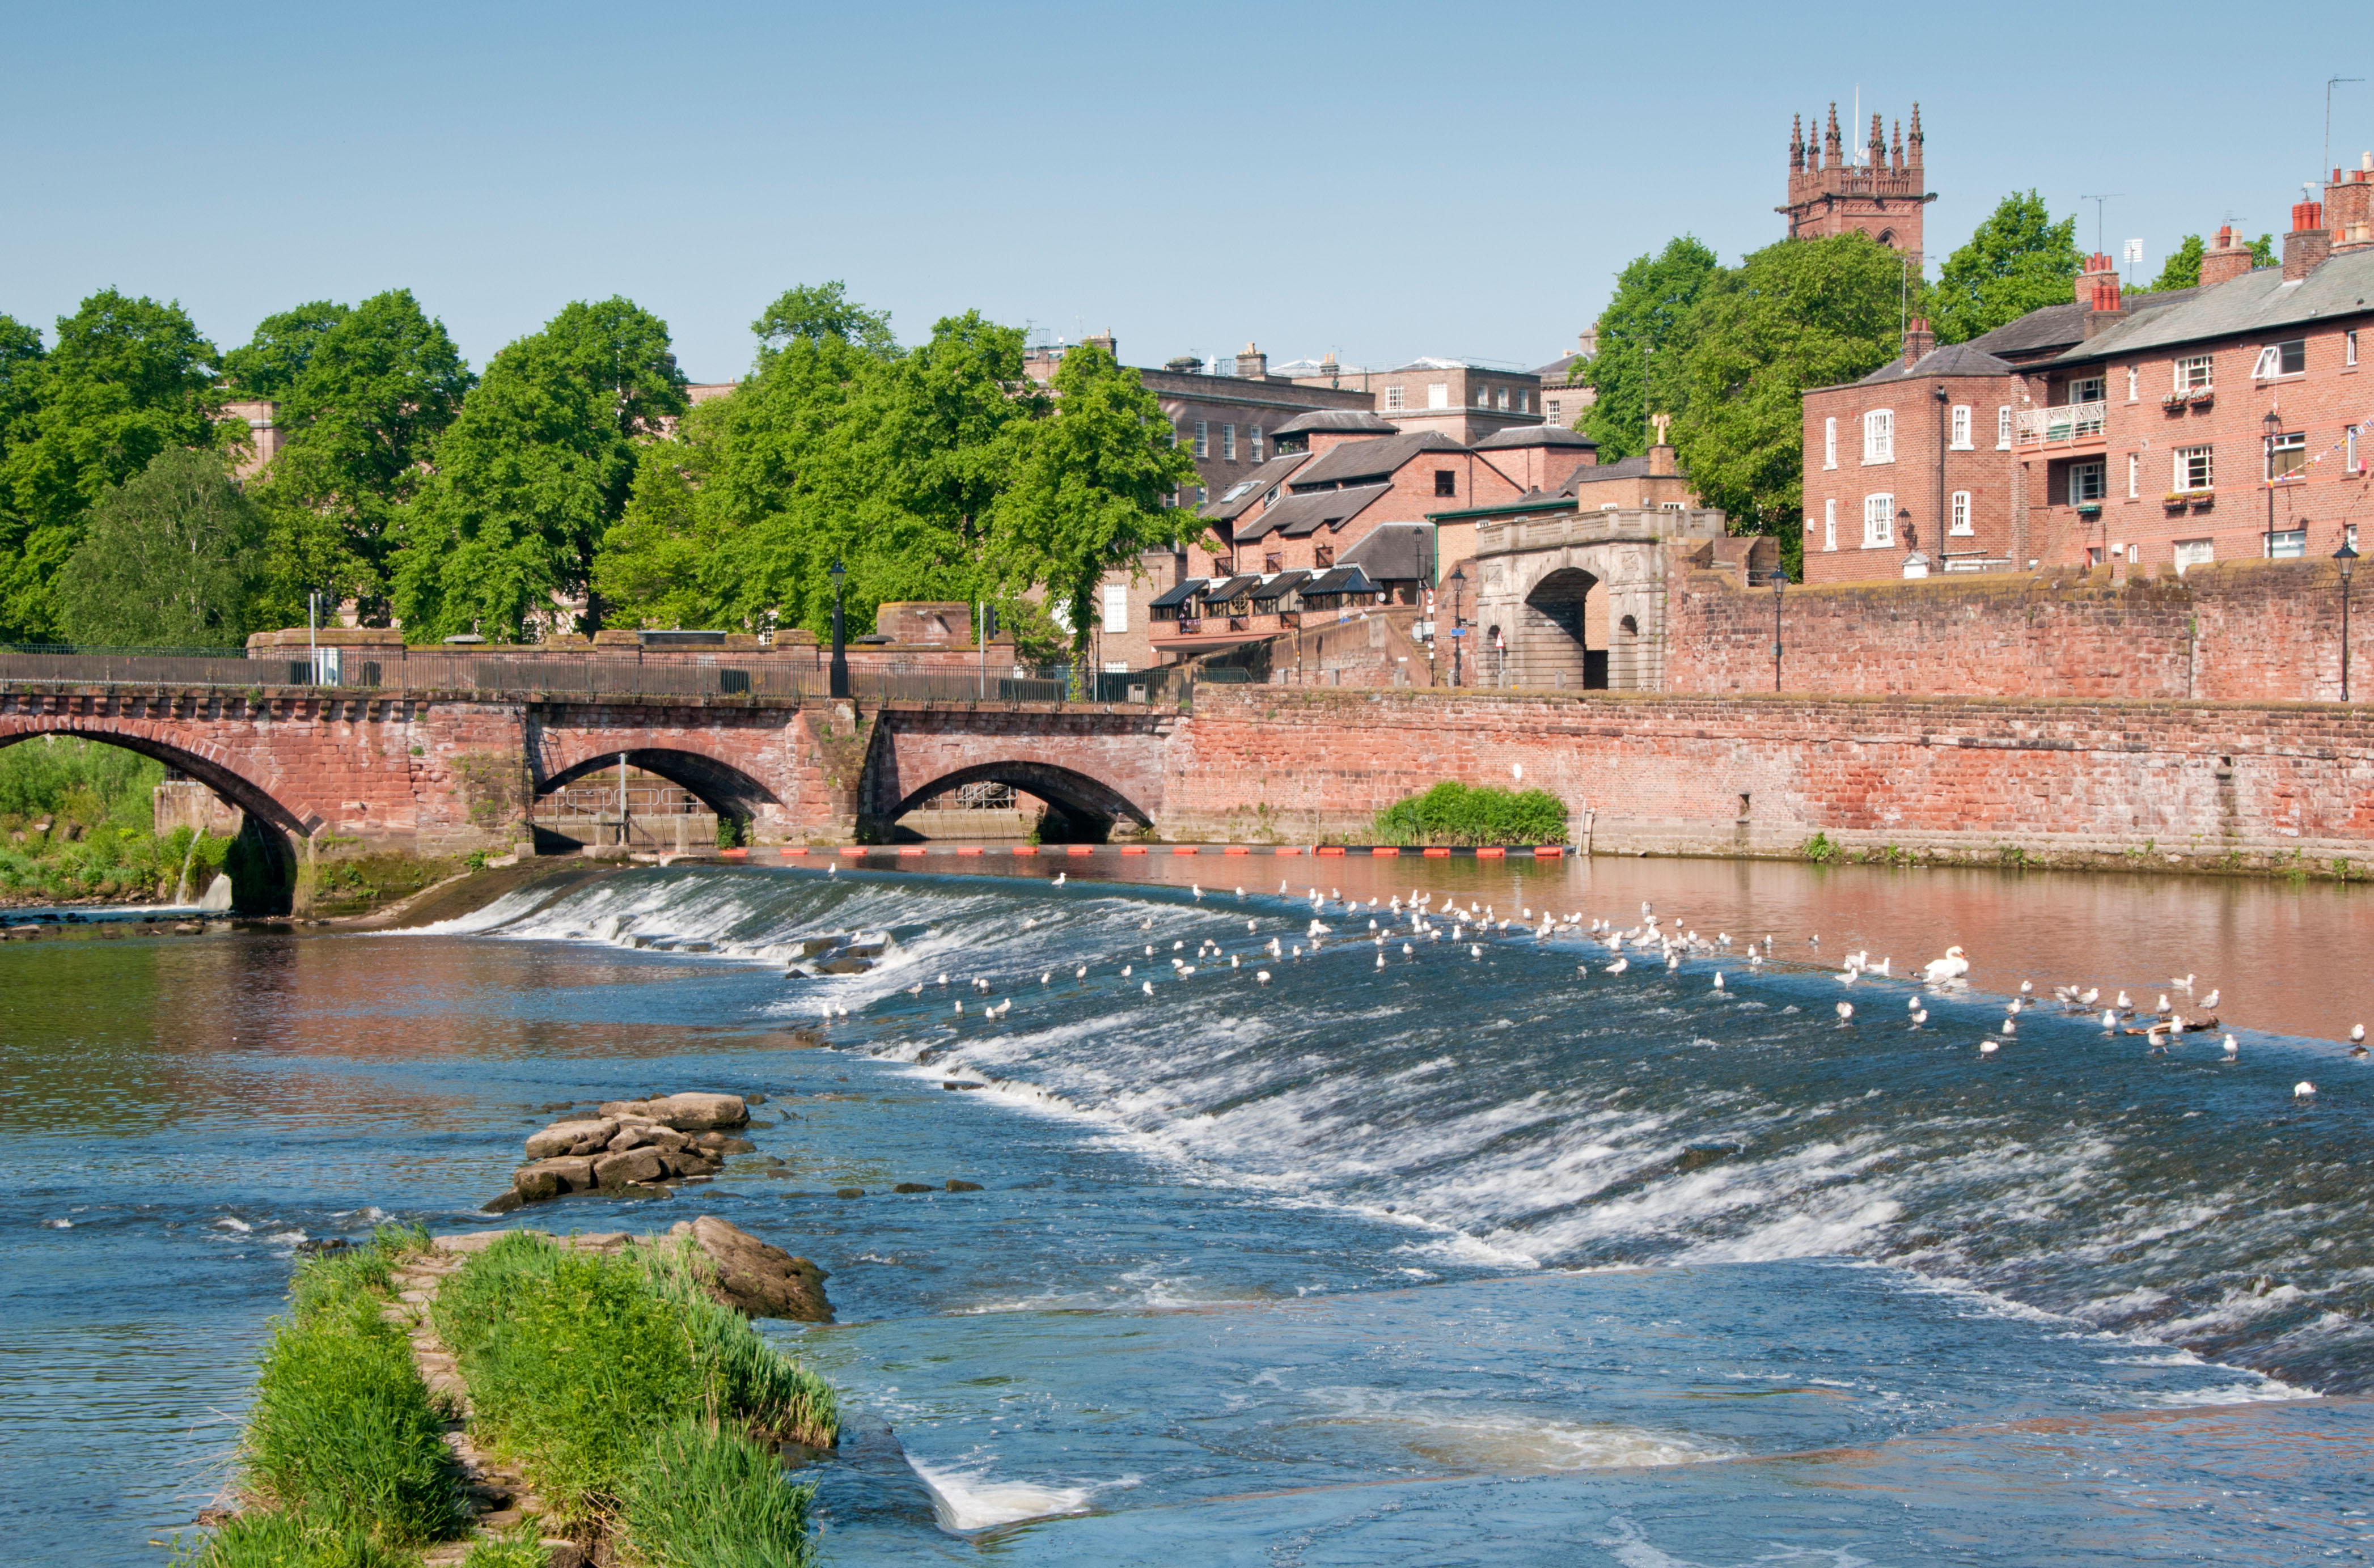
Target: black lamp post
(840, 652)
(2345, 558)
(2273, 426)
(1458, 637)
(1779, 581)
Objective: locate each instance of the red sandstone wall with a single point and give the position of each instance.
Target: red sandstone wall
(1719, 774)
(2237, 631)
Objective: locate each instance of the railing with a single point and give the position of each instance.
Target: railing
(577, 675)
(2062, 422)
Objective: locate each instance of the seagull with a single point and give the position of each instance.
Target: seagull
(1146, 985)
(1049, 976)
(2182, 983)
(2010, 1028)
(1125, 971)
(1619, 966)
(1953, 966)
(2210, 1000)
(1262, 975)
(1197, 889)
(1846, 1010)
(1081, 973)
(1252, 925)
(2233, 1048)
(2303, 1090)
(1920, 1016)
(2028, 987)
(1474, 951)
(1718, 979)
(1408, 950)
(1240, 893)
(2357, 1034)
(2123, 1004)
(1059, 877)
(2110, 1019)
(1380, 960)
(1986, 1047)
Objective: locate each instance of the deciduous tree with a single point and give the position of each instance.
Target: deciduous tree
(2018, 261)
(172, 557)
(1636, 371)
(127, 378)
(533, 471)
(275, 357)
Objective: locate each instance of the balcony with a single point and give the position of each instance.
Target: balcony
(2067, 423)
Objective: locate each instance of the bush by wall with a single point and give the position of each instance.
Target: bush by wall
(1458, 813)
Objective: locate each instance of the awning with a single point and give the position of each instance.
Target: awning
(1342, 579)
(1220, 592)
(1180, 595)
(1275, 588)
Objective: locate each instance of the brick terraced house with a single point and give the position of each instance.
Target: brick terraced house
(2164, 430)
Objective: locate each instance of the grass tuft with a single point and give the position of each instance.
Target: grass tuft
(701, 1498)
(289, 1540)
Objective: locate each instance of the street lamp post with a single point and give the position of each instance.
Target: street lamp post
(2345, 558)
(1458, 637)
(840, 650)
(2273, 426)
(1779, 581)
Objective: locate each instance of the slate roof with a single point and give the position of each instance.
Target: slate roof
(1954, 359)
(1246, 493)
(1188, 589)
(1278, 585)
(1371, 459)
(1334, 419)
(1299, 516)
(2258, 302)
(1634, 467)
(1533, 436)
(2045, 333)
(1340, 579)
(1556, 372)
(1394, 552)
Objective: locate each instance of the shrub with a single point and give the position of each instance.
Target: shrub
(1455, 813)
(286, 1541)
(701, 1498)
(1821, 849)
(744, 1378)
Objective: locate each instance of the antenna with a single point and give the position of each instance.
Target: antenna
(2330, 83)
(2097, 202)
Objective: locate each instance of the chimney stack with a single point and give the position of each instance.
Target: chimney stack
(2226, 259)
(2098, 267)
(2349, 207)
(1253, 364)
(2309, 243)
(1918, 340)
(1106, 341)
(2106, 309)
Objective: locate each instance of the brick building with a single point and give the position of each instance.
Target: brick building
(1881, 196)
(2167, 429)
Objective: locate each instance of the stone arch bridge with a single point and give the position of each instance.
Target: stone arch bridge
(317, 768)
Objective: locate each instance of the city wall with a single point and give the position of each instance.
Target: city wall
(2239, 631)
(2207, 784)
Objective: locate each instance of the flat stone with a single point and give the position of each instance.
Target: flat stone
(635, 1167)
(550, 1178)
(755, 1278)
(582, 1136)
(954, 1186)
(912, 1187)
(688, 1112)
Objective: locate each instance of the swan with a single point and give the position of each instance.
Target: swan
(1953, 966)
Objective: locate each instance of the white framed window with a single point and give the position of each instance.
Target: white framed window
(2288, 358)
(1524, 401)
(1253, 439)
(1116, 615)
(1830, 442)
(2287, 455)
(1227, 443)
(2288, 545)
(1483, 397)
(1552, 410)
(2195, 469)
(1879, 521)
(1959, 426)
(2132, 372)
(1879, 436)
(2134, 474)
(1393, 397)
(1438, 395)
(2350, 346)
(1203, 439)
(1504, 400)
(2192, 553)
(1960, 512)
(2353, 462)
(2003, 427)
(1830, 524)
(2086, 482)
(2193, 373)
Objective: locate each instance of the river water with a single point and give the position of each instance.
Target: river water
(1485, 1254)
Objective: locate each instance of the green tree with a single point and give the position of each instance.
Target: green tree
(2182, 268)
(2263, 252)
(274, 358)
(822, 310)
(1636, 371)
(127, 378)
(1088, 495)
(1797, 314)
(172, 557)
(378, 388)
(2017, 261)
(533, 471)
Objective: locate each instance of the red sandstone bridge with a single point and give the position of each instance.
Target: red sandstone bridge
(454, 758)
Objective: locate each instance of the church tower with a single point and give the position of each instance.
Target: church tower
(1881, 193)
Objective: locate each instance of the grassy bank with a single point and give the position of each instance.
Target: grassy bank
(1458, 814)
(637, 1407)
(77, 823)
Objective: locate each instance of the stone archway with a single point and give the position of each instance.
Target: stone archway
(1555, 629)
(1087, 809)
(732, 795)
(1616, 561)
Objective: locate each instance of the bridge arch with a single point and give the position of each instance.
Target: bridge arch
(273, 825)
(722, 787)
(1091, 806)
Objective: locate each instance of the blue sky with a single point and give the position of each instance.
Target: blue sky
(1380, 180)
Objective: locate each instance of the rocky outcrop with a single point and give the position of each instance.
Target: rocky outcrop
(630, 1145)
(756, 1279)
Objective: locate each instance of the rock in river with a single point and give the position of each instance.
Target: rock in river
(686, 1113)
(756, 1279)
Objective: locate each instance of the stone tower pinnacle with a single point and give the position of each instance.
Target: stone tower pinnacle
(1883, 195)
